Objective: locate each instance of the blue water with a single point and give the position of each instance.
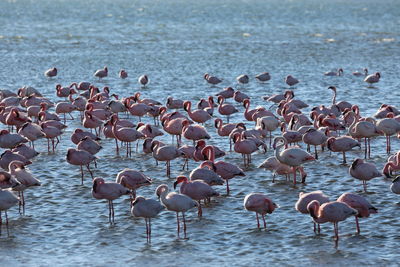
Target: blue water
(175, 43)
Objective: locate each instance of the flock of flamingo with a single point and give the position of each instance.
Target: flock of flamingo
(338, 128)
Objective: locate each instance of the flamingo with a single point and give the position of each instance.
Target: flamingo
(165, 153)
(174, 103)
(290, 80)
(342, 104)
(207, 175)
(194, 132)
(240, 97)
(175, 202)
(109, 191)
(146, 208)
(305, 199)
(101, 73)
(132, 180)
(363, 171)
(270, 124)
(26, 151)
(126, 134)
(373, 78)
(333, 212)
(273, 164)
(359, 203)
(212, 79)
(7, 156)
(315, 138)
(51, 72)
(80, 158)
(7, 200)
(81, 86)
(342, 144)
(339, 72)
(395, 186)
(9, 140)
(143, 80)
(196, 190)
(198, 115)
(389, 126)
(227, 92)
(391, 165)
(224, 169)
(123, 74)
(79, 134)
(225, 109)
(260, 204)
(293, 156)
(263, 77)
(51, 133)
(357, 73)
(245, 147)
(242, 79)
(25, 178)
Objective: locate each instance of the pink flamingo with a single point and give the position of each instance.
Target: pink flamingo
(227, 92)
(143, 80)
(194, 132)
(270, 124)
(137, 109)
(92, 122)
(132, 180)
(65, 107)
(290, 80)
(26, 151)
(7, 200)
(175, 202)
(245, 147)
(293, 157)
(82, 86)
(174, 127)
(373, 78)
(225, 109)
(25, 178)
(363, 171)
(198, 115)
(174, 103)
(333, 212)
(9, 156)
(123, 74)
(392, 165)
(78, 134)
(16, 118)
(146, 208)
(315, 138)
(207, 175)
(89, 145)
(242, 79)
(263, 77)
(339, 72)
(196, 190)
(248, 114)
(274, 165)
(359, 203)
(342, 104)
(207, 105)
(80, 158)
(147, 101)
(51, 72)
(109, 191)
(357, 73)
(277, 98)
(389, 126)
(165, 153)
(9, 140)
(342, 144)
(224, 169)
(126, 134)
(51, 133)
(305, 199)
(148, 130)
(240, 97)
(260, 204)
(212, 79)
(101, 73)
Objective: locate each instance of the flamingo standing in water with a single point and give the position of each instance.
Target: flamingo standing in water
(263, 77)
(109, 191)
(290, 80)
(175, 202)
(260, 204)
(392, 164)
(132, 180)
(333, 212)
(146, 208)
(293, 156)
(389, 126)
(224, 169)
(363, 171)
(101, 73)
(123, 74)
(225, 109)
(165, 153)
(196, 190)
(198, 115)
(305, 199)
(212, 79)
(7, 200)
(143, 80)
(80, 158)
(373, 78)
(315, 138)
(51, 72)
(342, 144)
(242, 79)
(359, 203)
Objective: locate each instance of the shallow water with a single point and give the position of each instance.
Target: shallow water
(175, 43)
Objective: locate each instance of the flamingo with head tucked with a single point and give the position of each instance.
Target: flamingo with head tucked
(305, 199)
(364, 171)
(260, 204)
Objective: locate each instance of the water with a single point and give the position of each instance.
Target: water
(175, 43)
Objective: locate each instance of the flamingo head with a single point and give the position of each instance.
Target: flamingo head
(236, 137)
(200, 144)
(180, 179)
(312, 208)
(160, 189)
(206, 75)
(333, 88)
(97, 182)
(186, 105)
(246, 103)
(220, 99)
(377, 74)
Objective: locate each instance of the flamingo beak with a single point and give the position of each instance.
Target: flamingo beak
(175, 183)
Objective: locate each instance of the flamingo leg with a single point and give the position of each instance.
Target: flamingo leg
(294, 175)
(147, 230)
(91, 174)
(344, 157)
(319, 228)
(23, 203)
(19, 203)
(177, 222)
(227, 186)
(365, 147)
(369, 148)
(200, 211)
(357, 225)
(116, 144)
(81, 174)
(263, 217)
(258, 221)
(109, 211)
(316, 153)
(365, 186)
(270, 139)
(5, 212)
(112, 211)
(184, 224)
